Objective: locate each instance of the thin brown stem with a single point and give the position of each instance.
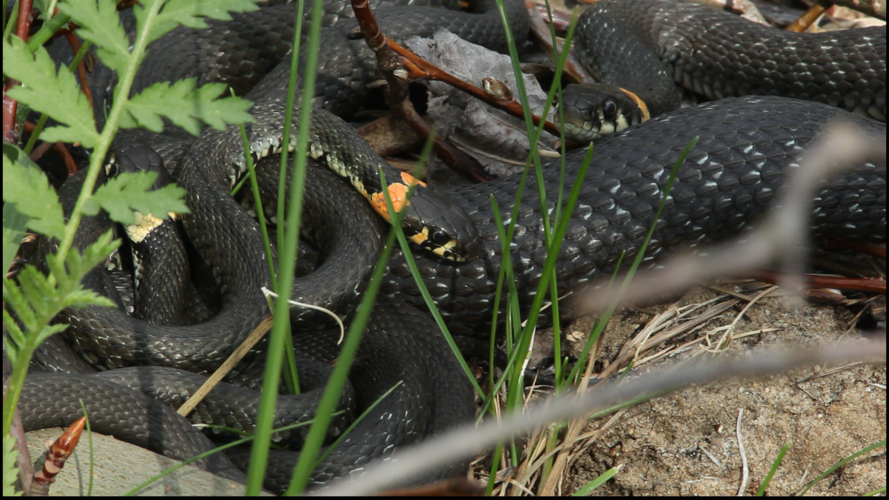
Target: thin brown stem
(60, 148)
(871, 248)
(869, 285)
(81, 69)
(450, 154)
(573, 71)
(810, 16)
(398, 77)
(420, 68)
(40, 150)
(17, 431)
(387, 61)
(10, 106)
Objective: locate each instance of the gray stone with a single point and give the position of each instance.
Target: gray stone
(120, 467)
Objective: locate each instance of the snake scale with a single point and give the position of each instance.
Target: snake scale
(746, 150)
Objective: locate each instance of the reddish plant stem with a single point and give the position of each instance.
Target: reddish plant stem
(59, 452)
(59, 147)
(23, 25)
(419, 68)
(81, 69)
(387, 61)
(23, 460)
(451, 155)
(870, 285)
(573, 71)
(866, 247)
(40, 150)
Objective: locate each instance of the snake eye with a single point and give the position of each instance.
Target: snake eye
(112, 168)
(440, 237)
(609, 108)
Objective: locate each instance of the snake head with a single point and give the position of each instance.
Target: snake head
(437, 224)
(132, 155)
(593, 111)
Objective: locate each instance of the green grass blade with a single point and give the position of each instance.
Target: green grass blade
(334, 387)
(641, 253)
(595, 483)
(492, 477)
(775, 465)
(418, 279)
(350, 346)
(355, 423)
(523, 339)
(596, 330)
(207, 454)
(260, 211)
(338, 378)
(89, 437)
(13, 17)
(552, 251)
(526, 107)
(842, 463)
(46, 31)
(288, 117)
(286, 267)
(505, 271)
(291, 380)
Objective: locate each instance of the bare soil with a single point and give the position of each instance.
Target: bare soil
(685, 443)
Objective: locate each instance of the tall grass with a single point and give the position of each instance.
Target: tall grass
(286, 268)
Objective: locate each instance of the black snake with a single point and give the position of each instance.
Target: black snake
(738, 166)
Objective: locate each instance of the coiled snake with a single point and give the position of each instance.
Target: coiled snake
(746, 147)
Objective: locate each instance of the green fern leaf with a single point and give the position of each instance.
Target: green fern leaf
(100, 24)
(46, 91)
(191, 13)
(30, 192)
(10, 471)
(184, 106)
(128, 192)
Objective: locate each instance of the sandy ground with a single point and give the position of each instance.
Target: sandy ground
(685, 443)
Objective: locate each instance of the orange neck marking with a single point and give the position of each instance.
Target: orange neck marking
(639, 102)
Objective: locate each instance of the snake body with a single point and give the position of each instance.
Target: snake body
(747, 148)
(648, 45)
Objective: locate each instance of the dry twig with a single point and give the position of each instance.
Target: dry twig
(744, 469)
(417, 67)
(810, 16)
(397, 98)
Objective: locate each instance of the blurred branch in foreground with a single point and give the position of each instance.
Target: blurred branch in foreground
(471, 440)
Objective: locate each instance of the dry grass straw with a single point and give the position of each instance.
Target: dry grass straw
(677, 329)
(702, 328)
